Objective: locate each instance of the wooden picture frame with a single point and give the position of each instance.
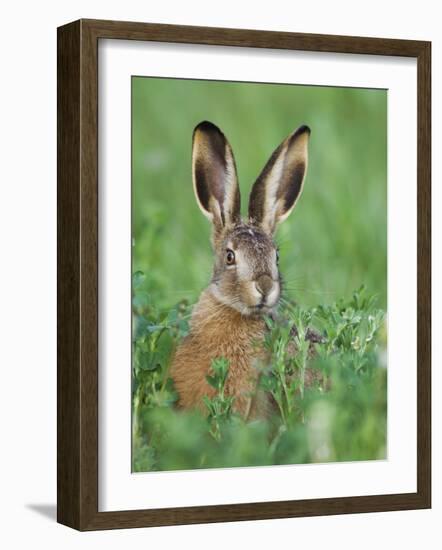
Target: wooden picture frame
(77, 458)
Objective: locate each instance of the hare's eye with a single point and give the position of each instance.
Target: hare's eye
(230, 257)
(277, 256)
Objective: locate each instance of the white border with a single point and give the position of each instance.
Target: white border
(118, 488)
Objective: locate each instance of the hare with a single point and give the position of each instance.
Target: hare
(228, 320)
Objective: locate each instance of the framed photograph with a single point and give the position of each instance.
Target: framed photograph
(243, 275)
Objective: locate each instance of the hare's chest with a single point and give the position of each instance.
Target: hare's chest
(246, 364)
(244, 352)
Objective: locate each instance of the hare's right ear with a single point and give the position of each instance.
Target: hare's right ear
(279, 186)
(214, 176)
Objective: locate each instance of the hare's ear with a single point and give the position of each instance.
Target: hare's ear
(214, 176)
(278, 187)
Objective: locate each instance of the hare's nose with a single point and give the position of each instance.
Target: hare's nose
(264, 284)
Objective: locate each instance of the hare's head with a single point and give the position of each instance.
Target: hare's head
(246, 274)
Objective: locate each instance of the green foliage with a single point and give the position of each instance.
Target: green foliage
(220, 406)
(286, 376)
(340, 416)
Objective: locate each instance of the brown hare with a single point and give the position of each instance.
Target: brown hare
(228, 319)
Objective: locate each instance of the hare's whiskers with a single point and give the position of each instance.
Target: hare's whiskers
(309, 290)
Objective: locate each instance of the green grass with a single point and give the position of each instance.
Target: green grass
(333, 242)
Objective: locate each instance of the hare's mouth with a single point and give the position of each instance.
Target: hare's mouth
(247, 303)
(259, 309)
(251, 310)
(261, 303)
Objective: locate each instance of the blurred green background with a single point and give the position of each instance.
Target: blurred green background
(335, 239)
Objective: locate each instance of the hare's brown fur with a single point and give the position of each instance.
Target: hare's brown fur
(218, 330)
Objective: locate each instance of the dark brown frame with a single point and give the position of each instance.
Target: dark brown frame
(77, 458)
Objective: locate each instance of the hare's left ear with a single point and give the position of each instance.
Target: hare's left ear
(214, 176)
(278, 187)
